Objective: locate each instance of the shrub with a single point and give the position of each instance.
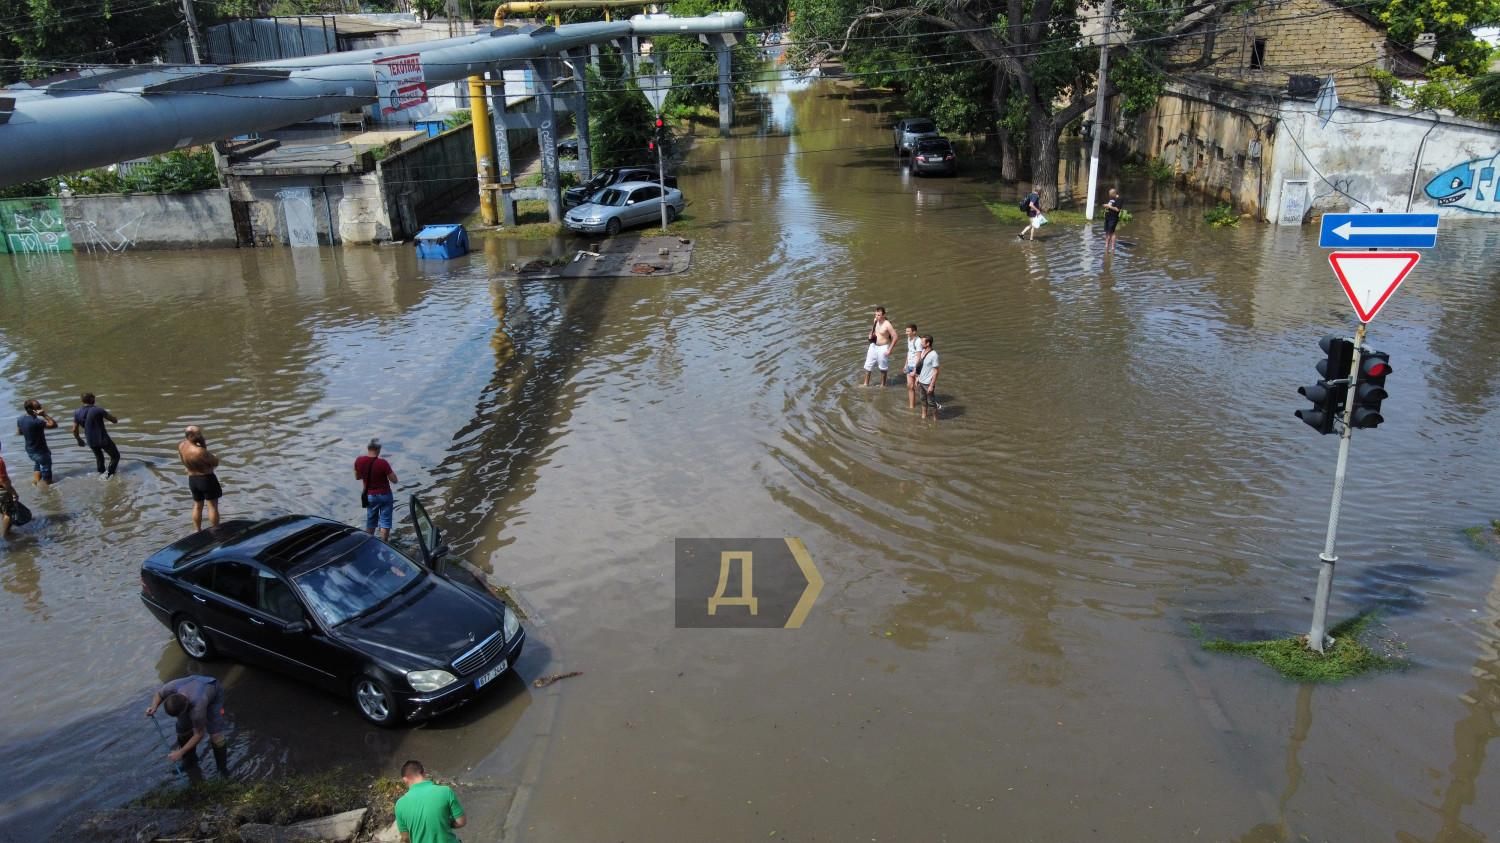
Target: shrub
(1221, 216)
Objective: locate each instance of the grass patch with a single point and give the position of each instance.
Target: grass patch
(1485, 538)
(1221, 216)
(1348, 657)
(226, 804)
(1009, 212)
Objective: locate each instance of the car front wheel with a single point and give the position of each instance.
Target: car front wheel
(612, 227)
(192, 639)
(374, 701)
(671, 214)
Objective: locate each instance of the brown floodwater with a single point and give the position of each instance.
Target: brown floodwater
(1005, 648)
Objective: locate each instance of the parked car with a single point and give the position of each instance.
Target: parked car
(910, 129)
(624, 205)
(608, 176)
(568, 148)
(326, 603)
(933, 155)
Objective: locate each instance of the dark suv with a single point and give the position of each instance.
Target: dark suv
(611, 176)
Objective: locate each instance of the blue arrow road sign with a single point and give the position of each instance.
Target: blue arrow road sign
(1389, 231)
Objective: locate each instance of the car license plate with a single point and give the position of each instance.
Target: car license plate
(491, 674)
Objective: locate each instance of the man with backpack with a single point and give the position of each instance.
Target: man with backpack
(1032, 205)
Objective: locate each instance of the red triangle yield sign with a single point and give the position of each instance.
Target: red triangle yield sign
(1369, 278)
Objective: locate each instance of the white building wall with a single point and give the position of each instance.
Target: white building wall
(1372, 157)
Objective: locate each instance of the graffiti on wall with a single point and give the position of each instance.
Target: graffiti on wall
(33, 227)
(94, 239)
(1469, 186)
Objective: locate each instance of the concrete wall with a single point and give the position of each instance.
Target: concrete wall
(427, 177)
(1365, 157)
(306, 210)
(116, 223)
(149, 221)
(1208, 136)
(1388, 158)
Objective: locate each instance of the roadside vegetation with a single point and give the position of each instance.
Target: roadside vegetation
(179, 171)
(225, 805)
(1221, 216)
(1486, 537)
(1153, 169)
(1348, 657)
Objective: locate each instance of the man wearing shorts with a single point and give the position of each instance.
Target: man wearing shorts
(380, 500)
(33, 428)
(1033, 207)
(927, 373)
(1112, 208)
(202, 481)
(882, 340)
(8, 500)
(198, 704)
(913, 351)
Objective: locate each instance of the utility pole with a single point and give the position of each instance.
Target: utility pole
(1317, 636)
(1109, 13)
(192, 28)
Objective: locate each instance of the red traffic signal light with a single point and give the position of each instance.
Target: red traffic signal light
(659, 123)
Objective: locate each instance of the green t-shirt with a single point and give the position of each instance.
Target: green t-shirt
(427, 812)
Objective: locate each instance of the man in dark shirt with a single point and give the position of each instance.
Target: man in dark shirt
(1112, 208)
(198, 704)
(33, 428)
(380, 499)
(1033, 203)
(89, 420)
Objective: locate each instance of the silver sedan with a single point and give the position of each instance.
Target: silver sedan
(624, 205)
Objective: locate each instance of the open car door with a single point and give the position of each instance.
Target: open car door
(429, 537)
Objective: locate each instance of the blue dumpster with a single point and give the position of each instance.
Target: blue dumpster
(433, 128)
(443, 242)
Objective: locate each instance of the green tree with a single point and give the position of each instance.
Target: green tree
(620, 119)
(695, 66)
(1452, 21)
(1041, 67)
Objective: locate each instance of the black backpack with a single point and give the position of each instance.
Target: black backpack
(1025, 205)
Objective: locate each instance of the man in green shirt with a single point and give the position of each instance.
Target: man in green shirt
(428, 812)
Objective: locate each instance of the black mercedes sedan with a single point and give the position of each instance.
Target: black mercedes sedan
(339, 609)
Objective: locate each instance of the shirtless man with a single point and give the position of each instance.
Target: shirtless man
(204, 484)
(882, 340)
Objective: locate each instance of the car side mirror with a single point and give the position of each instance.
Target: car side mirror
(296, 628)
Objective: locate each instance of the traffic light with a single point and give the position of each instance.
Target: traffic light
(1369, 389)
(658, 133)
(1328, 394)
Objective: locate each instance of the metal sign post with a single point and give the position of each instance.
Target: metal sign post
(1317, 636)
(661, 181)
(656, 86)
(1368, 278)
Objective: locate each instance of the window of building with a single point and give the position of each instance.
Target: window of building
(1258, 54)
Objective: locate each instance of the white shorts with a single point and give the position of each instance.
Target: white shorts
(878, 355)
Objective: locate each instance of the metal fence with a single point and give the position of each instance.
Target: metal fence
(262, 39)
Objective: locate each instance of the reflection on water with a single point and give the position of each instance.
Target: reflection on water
(1001, 649)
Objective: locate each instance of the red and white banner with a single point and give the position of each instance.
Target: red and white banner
(399, 82)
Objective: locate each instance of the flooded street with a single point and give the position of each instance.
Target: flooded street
(1004, 649)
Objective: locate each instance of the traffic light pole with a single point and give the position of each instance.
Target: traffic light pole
(1317, 636)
